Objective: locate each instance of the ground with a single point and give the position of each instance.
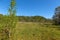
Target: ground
(36, 31)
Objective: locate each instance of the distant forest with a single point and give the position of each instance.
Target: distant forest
(33, 19)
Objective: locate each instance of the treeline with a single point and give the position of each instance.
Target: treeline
(33, 19)
(29, 18)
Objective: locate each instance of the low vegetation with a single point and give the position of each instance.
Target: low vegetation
(36, 31)
(14, 27)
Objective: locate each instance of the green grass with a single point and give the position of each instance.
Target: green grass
(36, 31)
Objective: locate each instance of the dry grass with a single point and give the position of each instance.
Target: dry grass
(36, 31)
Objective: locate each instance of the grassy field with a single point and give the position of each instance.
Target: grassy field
(36, 31)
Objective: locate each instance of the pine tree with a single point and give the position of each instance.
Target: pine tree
(56, 17)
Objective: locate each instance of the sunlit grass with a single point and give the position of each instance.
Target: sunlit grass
(36, 31)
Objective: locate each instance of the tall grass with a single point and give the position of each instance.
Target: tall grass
(36, 31)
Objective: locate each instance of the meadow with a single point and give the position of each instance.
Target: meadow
(36, 31)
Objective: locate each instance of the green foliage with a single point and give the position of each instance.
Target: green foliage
(31, 19)
(12, 18)
(56, 17)
(8, 23)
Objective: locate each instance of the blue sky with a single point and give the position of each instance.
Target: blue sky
(43, 8)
